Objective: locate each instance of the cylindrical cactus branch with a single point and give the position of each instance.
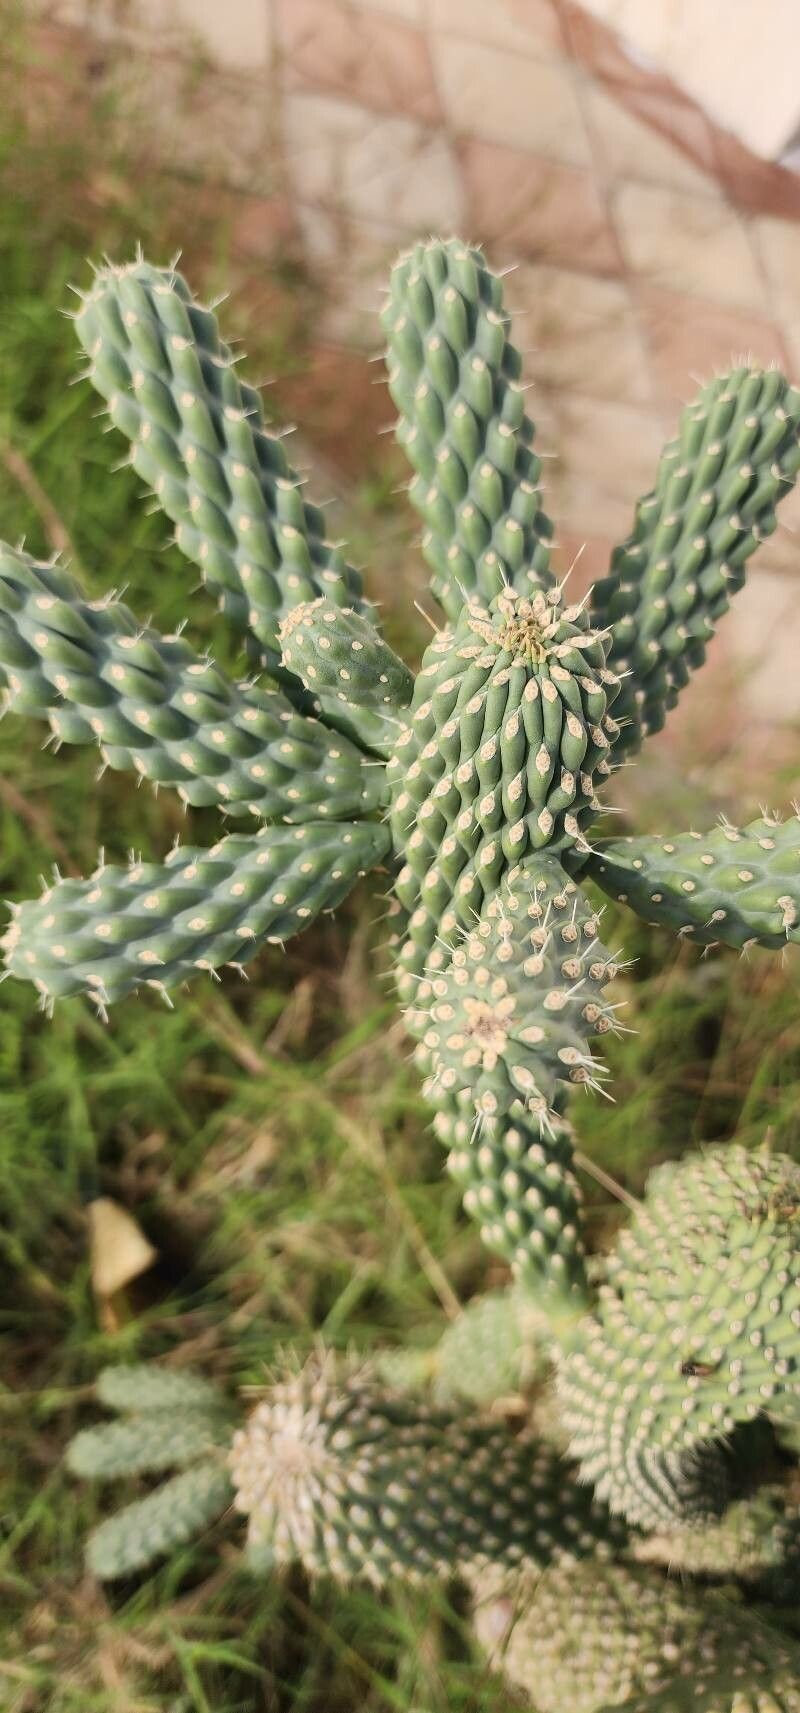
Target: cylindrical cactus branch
(152, 704)
(198, 439)
(697, 1329)
(156, 924)
(594, 1636)
(738, 885)
(718, 484)
(455, 378)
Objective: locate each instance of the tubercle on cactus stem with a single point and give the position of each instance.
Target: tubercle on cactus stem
(478, 784)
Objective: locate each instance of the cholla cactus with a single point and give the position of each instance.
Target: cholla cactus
(478, 785)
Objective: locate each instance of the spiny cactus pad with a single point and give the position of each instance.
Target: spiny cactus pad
(353, 1480)
(170, 1420)
(740, 885)
(139, 1387)
(718, 484)
(697, 1329)
(595, 1636)
(148, 1444)
(494, 1349)
(152, 704)
(496, 1346)
(455, 378)
(155, 924)
(756, 1541)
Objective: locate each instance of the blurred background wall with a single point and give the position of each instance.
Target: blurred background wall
(652, 236)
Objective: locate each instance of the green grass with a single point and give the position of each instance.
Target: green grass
(270, 1138)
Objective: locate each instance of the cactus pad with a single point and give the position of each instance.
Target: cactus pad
(498, 1345)
(139, 1387)
(756, 1541)
(697, 1329)
(162, 1439)
(353, 1480)
(169, 1517)
(595, 1636)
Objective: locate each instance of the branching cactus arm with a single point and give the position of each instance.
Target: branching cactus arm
(717, 488)
(152, 704)
(198, 440)
(738, 885)
(455, 378)
(158, 924)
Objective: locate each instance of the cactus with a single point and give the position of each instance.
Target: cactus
(595, 1636)
(497, 1347)
(170, 1517)
(697, 1329)
(356, 1480)
(738, 885)
(490, 762)
(478, 784)
(169, 1421)
(715, 496)
(757, 1541)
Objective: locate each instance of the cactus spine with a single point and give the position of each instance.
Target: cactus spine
(478, 783)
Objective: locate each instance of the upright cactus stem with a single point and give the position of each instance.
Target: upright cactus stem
(477, 785)
(455, 378)
(717, 488)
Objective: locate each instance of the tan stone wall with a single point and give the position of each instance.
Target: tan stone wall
(739, 58)
(649, 246)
